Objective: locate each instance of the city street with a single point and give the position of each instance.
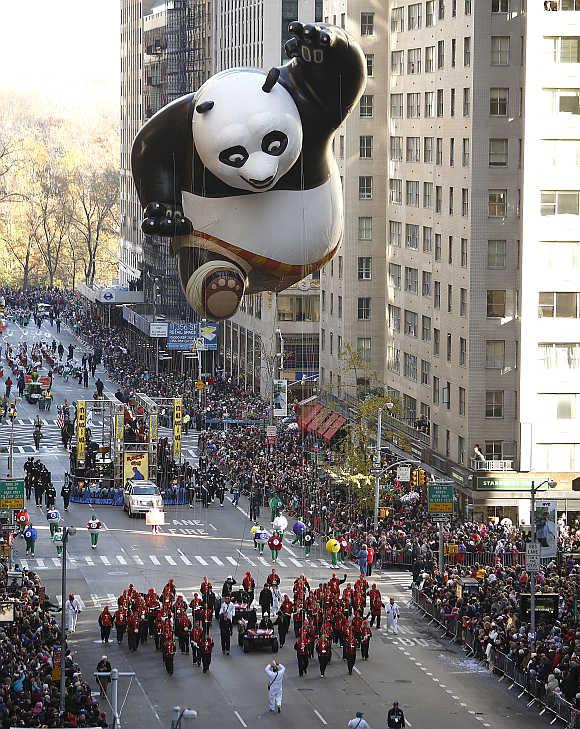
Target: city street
(433, 681)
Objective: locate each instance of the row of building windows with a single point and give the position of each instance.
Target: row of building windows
(433, 56)
(497, 203)
(428, 149)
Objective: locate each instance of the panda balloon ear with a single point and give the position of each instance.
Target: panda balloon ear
(271, 79)
(204, 106)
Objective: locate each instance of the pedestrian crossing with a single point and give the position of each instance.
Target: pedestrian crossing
(163, 561)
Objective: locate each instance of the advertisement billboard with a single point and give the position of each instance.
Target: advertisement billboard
(546, 519)
(280, 398)
(177, 421)
(136, 465)
(81, 431)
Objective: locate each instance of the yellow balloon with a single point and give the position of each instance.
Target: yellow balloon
(332, 546)
(254, 529)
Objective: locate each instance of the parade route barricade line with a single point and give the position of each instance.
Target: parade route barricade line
(453, 627)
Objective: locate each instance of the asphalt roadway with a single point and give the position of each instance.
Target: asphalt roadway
(435, 684)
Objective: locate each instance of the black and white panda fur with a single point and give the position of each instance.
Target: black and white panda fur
(241, 174)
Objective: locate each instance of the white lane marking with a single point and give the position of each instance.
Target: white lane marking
(137, 560)
(242, 722)
(239, 551)
(290, 551)
(323, 563)
(232, 561)
(95, 599)
(184, 559)
(56, 562)
(201, 560)
(89, 561)
(171, 561)
(407, 722)
(295, 562)
(282, 564)
(154, 559)
(212, 526)
(319, 715)
(121, 559)
(263, 561)
(105, 560)
(80, 601)
(40, 563)
(355, 669)
(217, 560)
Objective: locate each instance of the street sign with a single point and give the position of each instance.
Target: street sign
(158, 329)
(533, 554)
(404, 473)
(198, 345)
(200, 385)
(271, 434)
(376, 471)
(11, 494)
(440, 496)
(440, 518)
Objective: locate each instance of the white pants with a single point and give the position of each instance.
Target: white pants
(71, 621)
(392, 624)
(274, 698)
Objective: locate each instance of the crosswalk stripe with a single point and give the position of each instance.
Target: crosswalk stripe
(81, 603)
(56, 562)
(89, 560)
(112, 598)
(24, 564)
(323, 563)
(201, 560)
(105, 560)
(40, 563)
(121, 559)
(154, 559)
(170, 560)
(137, 560)
(280, 563)
(184, 559)
(217, 561)
(232, 561)
(294, 561)
(263, 561)
(250, 562)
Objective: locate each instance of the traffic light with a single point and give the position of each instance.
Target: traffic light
(415, 478)
(422, 475)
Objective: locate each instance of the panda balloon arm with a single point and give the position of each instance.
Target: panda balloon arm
(169, 155)
(327, 66)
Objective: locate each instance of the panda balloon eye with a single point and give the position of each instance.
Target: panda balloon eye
(274, 143)
(234, 156)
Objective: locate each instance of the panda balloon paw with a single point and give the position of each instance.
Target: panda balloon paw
(241, 176)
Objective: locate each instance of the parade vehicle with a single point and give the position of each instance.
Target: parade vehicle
(256, 638)
(140, 496)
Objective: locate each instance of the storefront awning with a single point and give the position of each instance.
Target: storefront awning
(317, 421)
(306, 413)
(331, 430)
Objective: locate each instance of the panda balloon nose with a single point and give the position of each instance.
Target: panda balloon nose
(261, 183)
(260, 170)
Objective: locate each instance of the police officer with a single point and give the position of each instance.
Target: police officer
(65, 493)
(226, 617)
(395, 717)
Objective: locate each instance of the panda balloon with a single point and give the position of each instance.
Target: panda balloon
(241, 174)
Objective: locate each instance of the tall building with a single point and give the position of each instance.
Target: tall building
(479, 313)
(271, 336)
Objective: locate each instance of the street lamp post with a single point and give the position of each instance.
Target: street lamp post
(66, 533)
(179, 714)
(12, 415)
(533, 491)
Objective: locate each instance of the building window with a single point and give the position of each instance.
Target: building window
(340, 317)
(497, 203)
(495, 354)
(440, 54)
(466, 102)
(464, 202)
(397, 63)
(395, 275)
(450, 250)
(322, 339)
(436, 294)
(363, 348)
(559, 304)
(396, 144)
(411, 323)
(437, 246)
(429, 13)
(410, 366)
(441, 9)
(461, 405)
(500, 6)
(468, 7)
(367, 23)
(414, 17)
(498, 101)
(439, 151)
(436, 391)
(453, 50)
(413, 149)
(496, 303)
(428, 150)
(462, 302)
(425, 372)
(394, 318)
(496, 253)
(396, 106)
(452, 104)
(467, 51)
(366, 146)
(412, 193)
(449, 298)
(427, 239)
(412, 236)
(411, 280)
(493, 450)
(451, 208)
(395, 233)
(560, 49)
(498, 152)
(465, 157)
(365, 268)
(413, 106)
(398, 20)
(460, 449)
(500, 50)
(440, 103)
(556, 356)
(370, 59)
(559, 202)
(426, 328)
(414, 61)
(436, 342)
(364, 307)
(394, 359)
(449, 347)
(464, 253)
(331, 348)
(426, 283)
(396, 191)
(494, 403)
(365, 187)
(340, 267)
(563, 101)
(438, 198)
(462, 352)
(429, 104)
(365, 228)
(366, 106)
(429, 59)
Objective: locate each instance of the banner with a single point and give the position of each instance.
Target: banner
(136, 466)
(177, 420)
(81, 430)
(153, 428)
(280, 398)
(119, 426)
(547, 527)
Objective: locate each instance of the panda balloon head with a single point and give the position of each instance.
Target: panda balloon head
(241, 175)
